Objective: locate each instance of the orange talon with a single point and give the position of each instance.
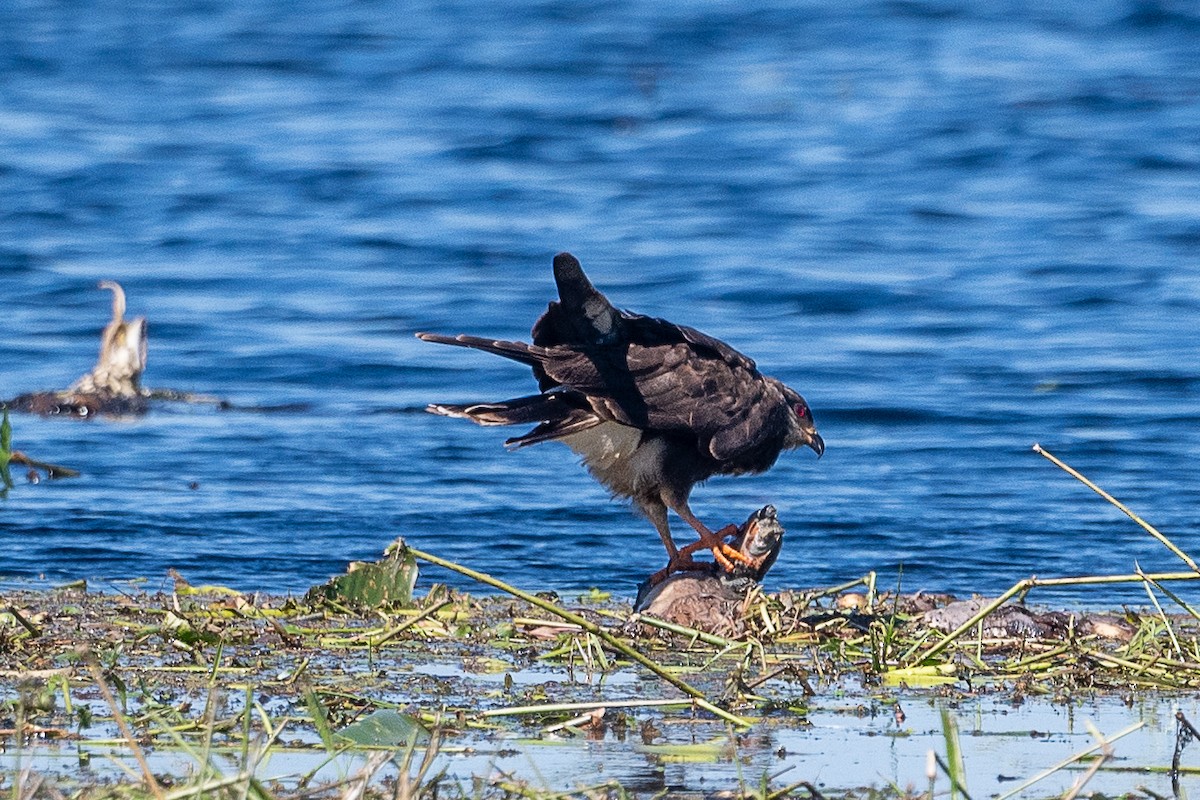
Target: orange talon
(726, 554)
(719, 557)
(752, 547)
(723, 553)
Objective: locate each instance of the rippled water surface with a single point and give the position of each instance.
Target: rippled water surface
(957, 227)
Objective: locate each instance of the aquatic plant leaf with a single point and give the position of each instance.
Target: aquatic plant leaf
(320, 719)
(207, 589)
(384, 728)
(956, 770)
(595, 596)
(921, 675)
(5, 438)
(389, 581)
(5, 454)
(181, 630)
(691, 753)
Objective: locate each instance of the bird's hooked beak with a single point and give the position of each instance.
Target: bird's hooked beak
(816, 443)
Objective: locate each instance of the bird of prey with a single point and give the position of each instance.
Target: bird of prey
(651, 407)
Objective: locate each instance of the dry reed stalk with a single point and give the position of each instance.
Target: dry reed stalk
(123, 726)
(51, 470)
(1106, 754)
(408, 623)
(1066, 762)
(1176, 598)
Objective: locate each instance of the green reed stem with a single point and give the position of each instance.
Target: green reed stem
(1146, 526)
(1029, 583)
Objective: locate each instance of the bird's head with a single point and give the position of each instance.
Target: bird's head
(802, 431)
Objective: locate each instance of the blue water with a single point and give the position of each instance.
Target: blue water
(957, 227)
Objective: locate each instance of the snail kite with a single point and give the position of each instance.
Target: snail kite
(652, 408)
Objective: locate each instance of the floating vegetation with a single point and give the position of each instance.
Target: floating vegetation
(214, 676)
(387, 582)
(367, 689)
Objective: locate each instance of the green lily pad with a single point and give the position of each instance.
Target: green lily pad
(384, 728)
(365, 585)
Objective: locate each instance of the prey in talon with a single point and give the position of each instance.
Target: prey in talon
(758, 541)
(708, 597)
(751, 552)
(651, 407)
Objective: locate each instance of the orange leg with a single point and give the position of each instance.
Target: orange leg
(723, 553)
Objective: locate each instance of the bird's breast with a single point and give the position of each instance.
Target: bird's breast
(620, 457)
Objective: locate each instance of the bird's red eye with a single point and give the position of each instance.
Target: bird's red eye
(801, 410)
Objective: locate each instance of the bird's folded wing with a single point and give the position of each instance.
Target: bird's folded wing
(727, 407)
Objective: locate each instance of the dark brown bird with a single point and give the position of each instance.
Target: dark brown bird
(652, 408)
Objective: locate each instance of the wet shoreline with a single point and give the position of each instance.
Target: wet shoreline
(517, 697)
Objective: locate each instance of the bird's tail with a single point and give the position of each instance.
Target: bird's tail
(518, 411)
(518, 351)
(555, 414)
(583, 316)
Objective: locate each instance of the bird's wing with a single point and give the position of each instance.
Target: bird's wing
(683, 387)
(725, 402)
(701, 342)
(582, 316)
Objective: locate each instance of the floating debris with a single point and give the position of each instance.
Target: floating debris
(1009, 622)
(113, 387)
(8, 456)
